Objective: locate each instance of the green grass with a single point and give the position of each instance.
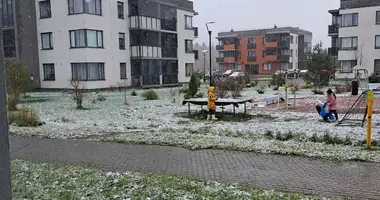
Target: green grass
(53, 181)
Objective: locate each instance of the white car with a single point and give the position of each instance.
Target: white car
(237, 74)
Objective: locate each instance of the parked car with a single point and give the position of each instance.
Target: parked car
(229, 72)
(215, 74)
(237, 74)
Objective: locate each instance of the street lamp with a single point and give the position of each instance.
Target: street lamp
(209, 38)
(204, 65)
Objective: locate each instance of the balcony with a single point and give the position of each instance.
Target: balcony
(195, 32)
(219, 47)
(333, 51)
(219, 60)
(283, 58)
(251, 46)
(196, 54)
(251, 59)
(333, 29)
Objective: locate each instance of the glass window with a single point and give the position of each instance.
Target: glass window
(252, 69)
(189, 46)
(120, 10)
(251, 40)
(291, 39)
(45, 9)
(46, 41)
(377, 17)
(189, 69)
(49, 72)
(267, 67)
(85, 6)
(123, 71)
(377, 41)
(88, 71)
(349, 43)
(86, 38)
(92, 40)
(251, 53)
(121, 40)
(188, 22)
(349, 19)
(377, 67)
(347, 66)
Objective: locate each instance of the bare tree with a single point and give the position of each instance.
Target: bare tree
(123, 85)
(78, 88)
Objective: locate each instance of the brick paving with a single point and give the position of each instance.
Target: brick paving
(356, 180)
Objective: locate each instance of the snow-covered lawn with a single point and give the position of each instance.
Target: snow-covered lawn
(155, 122)
(49, 181)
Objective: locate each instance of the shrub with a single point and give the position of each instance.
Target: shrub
(100, 97)
(193, 86)
(134, 93)
(374, 78)
(222, 88)
(269, 134)
(18, 82)
(278, 79)
(199, 95)
(317, 91)
(78, 89)
(339, 89)
(184, 90)
(261, 90)
(150, 95)
(24, 117)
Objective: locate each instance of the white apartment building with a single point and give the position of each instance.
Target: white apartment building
(356, 36)
(106, 43)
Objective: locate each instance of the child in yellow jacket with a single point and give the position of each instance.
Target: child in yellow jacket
(211, 105)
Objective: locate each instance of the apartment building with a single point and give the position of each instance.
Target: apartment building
(106, 43)
(355, 33)
(264, 51)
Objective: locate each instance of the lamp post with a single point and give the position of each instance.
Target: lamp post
(5, 175)
(209, 38)
(204, 65)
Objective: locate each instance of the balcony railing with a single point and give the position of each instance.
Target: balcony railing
(333, 51)
(196, 32)
(251, 46)
(220, 60)
(219, 47)
(333, 29)
(251, 58)
(283, 57)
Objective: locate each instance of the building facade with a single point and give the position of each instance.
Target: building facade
(109, 43)
(355, 32)
(264, 51)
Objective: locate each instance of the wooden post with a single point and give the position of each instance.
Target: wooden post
(370, 98)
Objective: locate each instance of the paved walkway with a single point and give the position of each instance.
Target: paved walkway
(267, 171)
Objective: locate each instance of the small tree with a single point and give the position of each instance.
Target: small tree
(278, 80)
(193, 86)
(317, 61)
(78, 88)
(18, 82)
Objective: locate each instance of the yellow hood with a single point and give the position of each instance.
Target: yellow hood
(211, 89)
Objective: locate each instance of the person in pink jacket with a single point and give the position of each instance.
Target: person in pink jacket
(332, 103)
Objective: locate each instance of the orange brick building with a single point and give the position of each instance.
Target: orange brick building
(263, 51)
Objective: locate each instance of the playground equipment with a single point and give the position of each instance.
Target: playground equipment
(281, 97)
(356, 115)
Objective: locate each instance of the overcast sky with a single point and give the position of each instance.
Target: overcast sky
(311, 15)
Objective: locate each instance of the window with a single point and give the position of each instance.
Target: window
(238, 67)
(86, 38)
(347, 65)
(291, 53)
(267, 67)
(296, 55)
(49, 72)
(45, 9)
(88, 71)
(251, 40)
(85, 6)
(377, 17)
(47, 41)
(349, 43)
(296, 40)
(349, 20)
(121, 40)
(377, 42)
(189, 46)
(188, 22)
(377, 67)
(123, 71)
(189, 69)
(251, 53)
(252, 69)
(120, 10)
(291, 39)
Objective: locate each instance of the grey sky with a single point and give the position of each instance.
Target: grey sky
(311, 15)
